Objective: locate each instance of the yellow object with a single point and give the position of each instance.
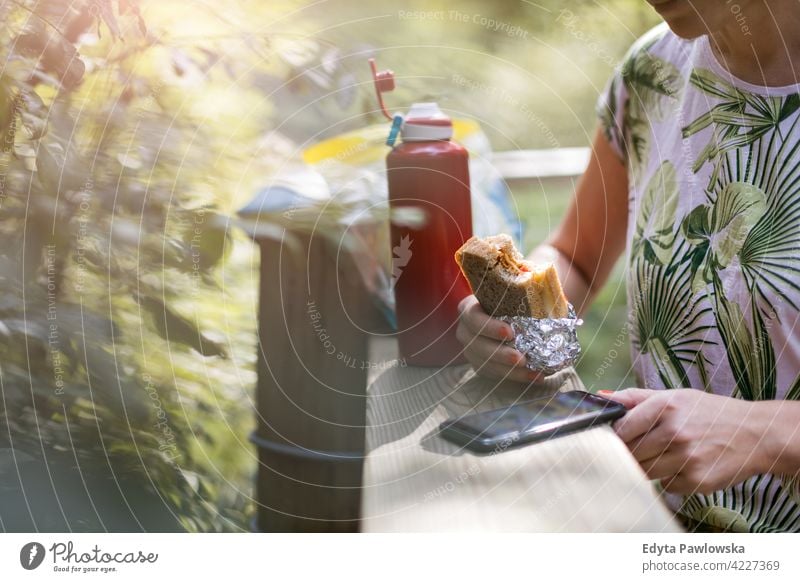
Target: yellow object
(367, 146)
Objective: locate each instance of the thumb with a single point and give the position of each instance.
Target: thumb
(629, 397)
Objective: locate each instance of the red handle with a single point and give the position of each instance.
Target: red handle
(384, 82)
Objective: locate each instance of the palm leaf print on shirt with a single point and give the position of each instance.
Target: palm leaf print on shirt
(717, 232)
(751, 219)
(769, 257)
(655, 219)
(738, 120)
(668, 320)
(653, 86)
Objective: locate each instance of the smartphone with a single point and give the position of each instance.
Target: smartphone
(530, 421)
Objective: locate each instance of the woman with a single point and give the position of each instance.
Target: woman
(695, 174)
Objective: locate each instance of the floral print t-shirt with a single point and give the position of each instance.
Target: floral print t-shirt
(713, 243)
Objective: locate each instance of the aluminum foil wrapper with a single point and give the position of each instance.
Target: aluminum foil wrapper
(549, 345)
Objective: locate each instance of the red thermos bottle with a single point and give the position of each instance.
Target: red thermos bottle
(429, 172)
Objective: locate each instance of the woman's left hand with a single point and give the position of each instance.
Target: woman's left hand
(693, 441)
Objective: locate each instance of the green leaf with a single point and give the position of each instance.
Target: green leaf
(33, 114)
(696, 226)
(741, 119)
(718, 231)
(208, 238)
(650, 79)
(653, 84)
(7, 110)
(700, 363)
(736, 337)
(174, 327)
(607, 110)
(711, 116)
(730, 142)
(794, 390)
(737, 209)
(763, 372)
(750, 354)
(58, 167)
(110, 387)
(668, 317)
(696, 230)
(656, 217)
(789, 106)
(709, 82)
(670, 369)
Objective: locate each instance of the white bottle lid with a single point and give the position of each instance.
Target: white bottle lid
(426, 122)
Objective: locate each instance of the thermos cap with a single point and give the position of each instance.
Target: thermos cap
(426, 122)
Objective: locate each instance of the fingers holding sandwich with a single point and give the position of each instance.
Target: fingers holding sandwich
(503, 284)
(484, 340)
(479, 322)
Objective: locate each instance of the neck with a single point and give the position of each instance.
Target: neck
(759, 43)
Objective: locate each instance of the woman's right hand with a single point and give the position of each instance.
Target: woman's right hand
(486, 344)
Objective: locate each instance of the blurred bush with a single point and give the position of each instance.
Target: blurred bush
(112, 236)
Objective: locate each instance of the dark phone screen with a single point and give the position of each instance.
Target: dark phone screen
(539, 414)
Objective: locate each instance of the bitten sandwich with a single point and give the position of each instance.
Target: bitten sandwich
(506, 284)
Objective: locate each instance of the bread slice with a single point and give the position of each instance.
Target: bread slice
(506, 284)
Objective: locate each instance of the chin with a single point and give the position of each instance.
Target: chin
(687, 27)
(683, 18)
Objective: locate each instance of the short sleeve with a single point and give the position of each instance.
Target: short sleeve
(610, 110)
(613, 103)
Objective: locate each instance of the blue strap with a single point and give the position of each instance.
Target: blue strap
(397, 123)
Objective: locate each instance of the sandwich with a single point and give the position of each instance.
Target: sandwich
(505, 284)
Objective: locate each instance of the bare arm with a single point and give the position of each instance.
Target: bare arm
(584, 249)
(591, 237)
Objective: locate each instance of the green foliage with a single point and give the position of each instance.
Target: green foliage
(110, 220)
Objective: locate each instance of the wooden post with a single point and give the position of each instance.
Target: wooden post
(312, 381)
